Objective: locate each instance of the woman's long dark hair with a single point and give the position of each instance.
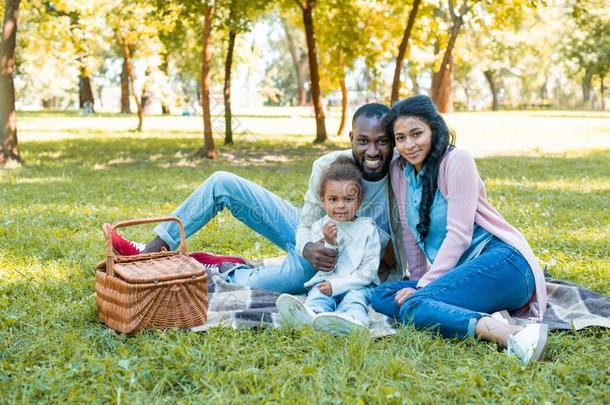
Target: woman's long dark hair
(442, 141)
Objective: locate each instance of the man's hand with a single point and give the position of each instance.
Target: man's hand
(330, 233)
(325, 288)
(402, 295)
(320, 257)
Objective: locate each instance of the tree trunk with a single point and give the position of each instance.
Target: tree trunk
(100, 92)
(85, 93)
(227, 89)
(586, 87)
(9, 147)
(489, 75)
(544, 92)
(300, 65)
(165, 103)
(125, 108)
(442, 93)
(414, 82)
(316, 96)
(208, 150)
(441, 80)
(145, 97)
(132, 80)
(402, 49)
(343, 106)
(602, 91)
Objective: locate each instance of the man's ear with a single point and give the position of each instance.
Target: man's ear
(351, 136)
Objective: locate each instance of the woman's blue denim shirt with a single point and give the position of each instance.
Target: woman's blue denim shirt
(438, 221)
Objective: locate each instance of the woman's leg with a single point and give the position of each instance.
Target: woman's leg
(382, 298)
(500, 278)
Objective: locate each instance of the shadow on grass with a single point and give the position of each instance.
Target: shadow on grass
(79, 152)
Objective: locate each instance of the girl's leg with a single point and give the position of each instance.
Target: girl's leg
(319, 302)
(355, 303)
(500, 278)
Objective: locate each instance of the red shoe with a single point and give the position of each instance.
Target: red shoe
(208, 259)
(120, 243)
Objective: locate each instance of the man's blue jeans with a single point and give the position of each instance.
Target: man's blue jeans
(352, 302)
(498, 279)
(263, 212)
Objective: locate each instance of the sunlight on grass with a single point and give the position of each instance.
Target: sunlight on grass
(482, 133)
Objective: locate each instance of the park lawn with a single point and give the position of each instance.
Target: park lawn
(53, 349)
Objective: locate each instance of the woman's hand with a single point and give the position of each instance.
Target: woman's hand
(326, 288)
(404, 294)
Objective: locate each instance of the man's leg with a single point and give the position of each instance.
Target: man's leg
(288, 277)
(263, 212)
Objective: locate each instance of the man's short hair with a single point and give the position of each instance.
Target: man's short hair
(371, 110)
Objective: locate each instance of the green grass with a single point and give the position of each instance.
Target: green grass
(53, 349)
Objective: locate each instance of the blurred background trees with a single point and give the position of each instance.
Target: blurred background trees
(327, 56)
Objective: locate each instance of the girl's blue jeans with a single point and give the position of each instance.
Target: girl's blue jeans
(498, 279)
(352, 302)
(262, 211)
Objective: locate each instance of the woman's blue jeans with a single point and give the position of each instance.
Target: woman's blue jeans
(498, 279)
(263, 212)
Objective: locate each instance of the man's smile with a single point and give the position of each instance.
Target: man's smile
(373, 163)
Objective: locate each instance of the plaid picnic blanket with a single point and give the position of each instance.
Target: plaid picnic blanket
(570, 307)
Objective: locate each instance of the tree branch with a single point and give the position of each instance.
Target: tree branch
(452, 10)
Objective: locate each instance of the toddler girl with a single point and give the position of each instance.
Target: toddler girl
(338, 300)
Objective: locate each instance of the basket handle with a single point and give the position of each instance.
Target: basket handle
(110, 256)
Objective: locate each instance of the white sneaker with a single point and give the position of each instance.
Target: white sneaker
(528, 343)
(337, 324)
(504, 317)
(293, 312)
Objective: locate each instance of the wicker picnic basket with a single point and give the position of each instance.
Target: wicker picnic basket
(153, 290)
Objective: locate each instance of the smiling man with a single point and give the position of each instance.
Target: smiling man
(372, 153)
(279, 221)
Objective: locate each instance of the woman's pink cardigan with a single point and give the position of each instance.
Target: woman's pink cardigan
(460, 184)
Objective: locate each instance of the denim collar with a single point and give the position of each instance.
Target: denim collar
(414, 180)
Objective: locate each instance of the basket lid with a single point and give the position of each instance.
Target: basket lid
(166, 268)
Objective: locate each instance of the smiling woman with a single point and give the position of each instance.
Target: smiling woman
(413, 140)
(480, 264)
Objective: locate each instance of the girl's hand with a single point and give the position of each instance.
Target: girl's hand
(330, 233)
(325, 288)
(404, 294)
